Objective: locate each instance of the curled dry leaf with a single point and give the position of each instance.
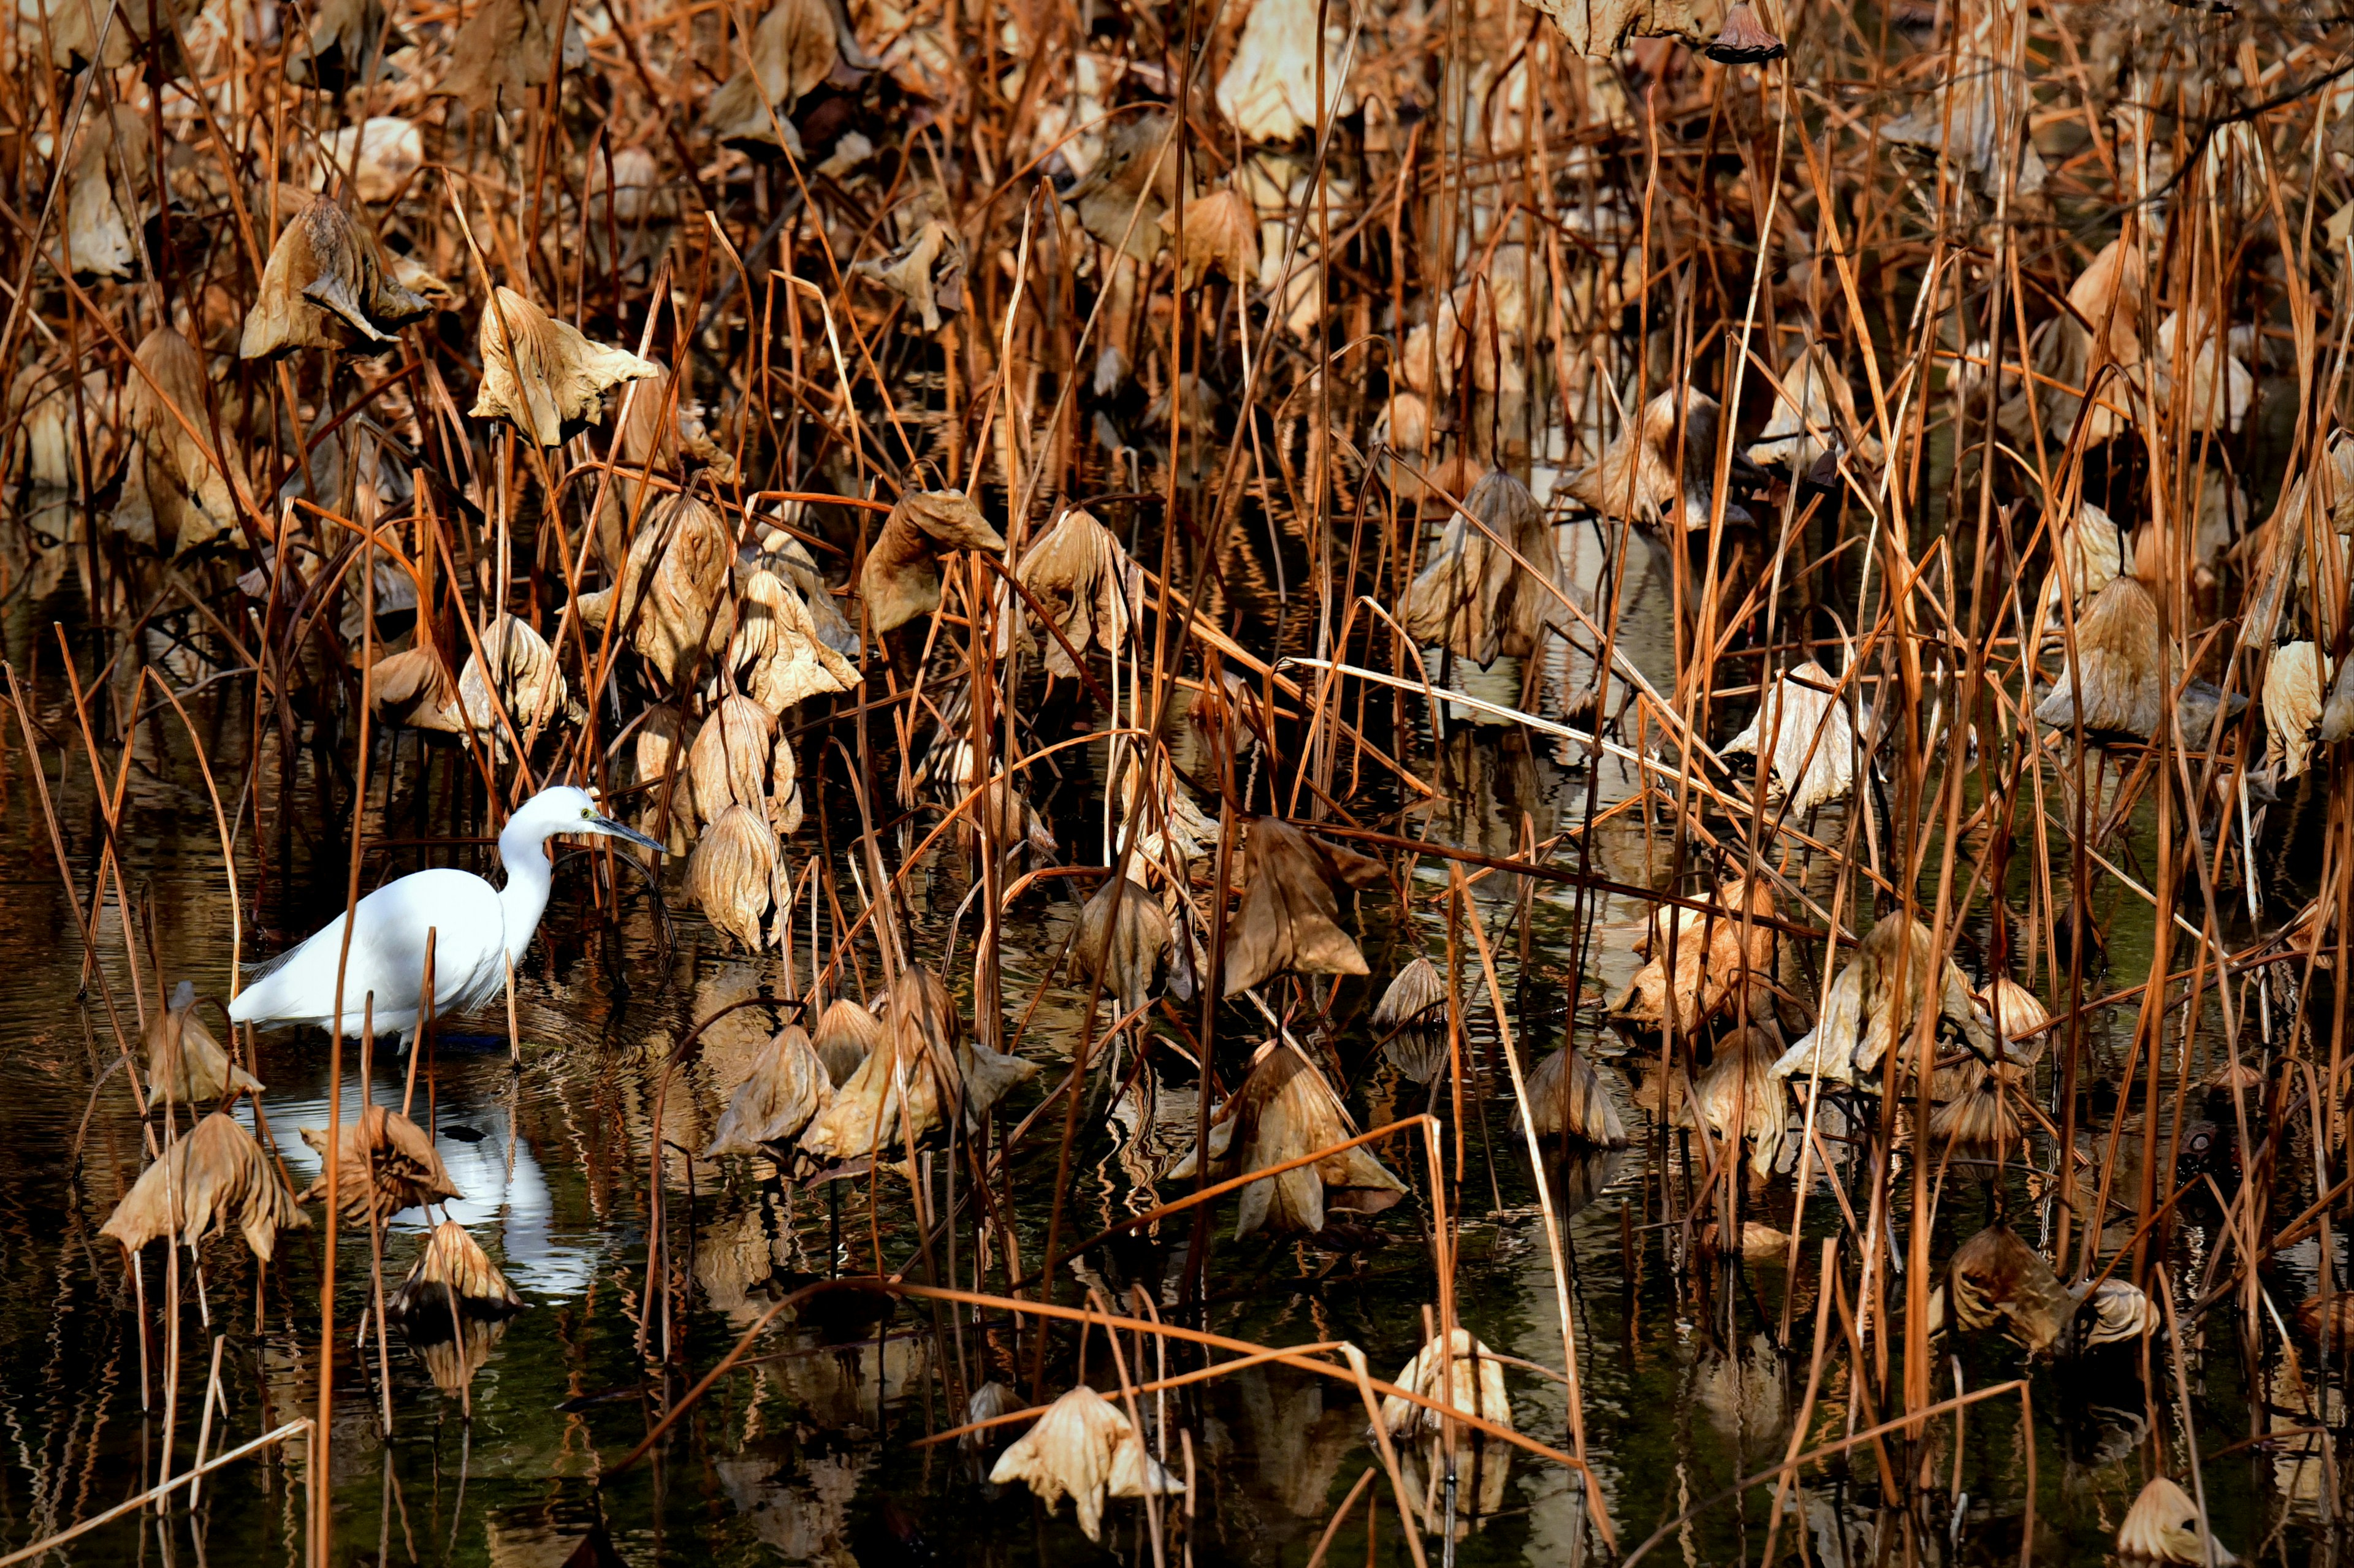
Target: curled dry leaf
(2338, 713)
(214, 1177)
(1814, 412)
(927, 270)
(1456, 1370)
(1813, 743)
(540, 375)
(188, 494)
(1083, 1447)
(383, 1159)
(2162, 1526)
(1473, 597)
(794, 48)
(2017, 1019)
(452, 1275)
(1412, 1019)
(2112, 1313)
(1087, 586)
(735, 760)
(113, 162)
(923, 1064)
(2092, 551)
(1636, 477)
(2293, 686)
(732, 877)
(1976, 1114)
(380, 157)
(347, 39)
(2217, 390)
(2117, 681)
(1290, 915)
(788, 1087)
(78, 32)
(1598, 28)
(508, 49)
(1998, 1281)
(325, 286)
(1123, 936)
(1268, 91)
(777, 651)
(672, 592)
(1220, 233)
(1283, 1111)
(1567, 1100)
(413, 690)
(514, 669)
(453, 1359)
(1875, 1001)
(1121, 198)
(902, 577)
(847, 1036)
(1974, 121)
(1738, 1095)
(185, 1066)
(1718, 969)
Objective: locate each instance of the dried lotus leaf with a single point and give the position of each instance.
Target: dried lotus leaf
(1567, 1100)
(733, 874)
(384, 1162)
(1876, 1000)
(1721, 956)
(452, 1275)
(1636, 479)
(507, 49)
(2163, 1526)
(541, 374)
(345, 47)
(1473, 597)
(2117, 681)
(1812, 761)
(324, 286)
(673, 593)
(1599, 29)
(1268, 91)
(1123, 937)
(1222, 234)
(1086, 585)
(2294, 681)
(927, 270)
(1133, 182)
(901, 579)
(732, 760)
(1083, 1447)
(1458, 1371)
(190, 498)
(1289, 919)
(185, 1064)
(787, 1087)
(778, 651)
(795, 47)
(529, 685)
(214, 1177)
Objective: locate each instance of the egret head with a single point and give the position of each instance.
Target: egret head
(565, 809)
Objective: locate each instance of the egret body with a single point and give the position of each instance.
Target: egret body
(478, 931)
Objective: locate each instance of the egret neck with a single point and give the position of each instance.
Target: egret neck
(523, 850)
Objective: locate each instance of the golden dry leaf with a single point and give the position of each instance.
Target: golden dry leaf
(734, 760)
(847, 1036)
(1411, 1018)
(1814, 413)
(1087, 586)
(732, 875)
(777, 651)
(1996, 1280)
(1268, 91)
(189, 495)
(2118, 681)
(2294, 680)
(113, 160)
(921, 1063)
(346, 41)
(1291, 916)
(793, 49)
(185, 1066)
(1971, 119)
(788, 1087)
(1473, 596)
(378, 159)
(927, 270)
(214, 1177)
(1759, 1241)
(383, 1158)
(1812, 742)
(1717, 970)
(413, 690)
(2111, 1313)
(452, 1275)
(507, 49)
(672, 592)
(2092, 551)
(1121, 199)
(1739, 1097)
(541, 375)
(77, 32)
(1875, 1002)
(2163, 1526)
(523, 677)
(1976, 1114)
(1599, 29)
(1636, 479)
(325, 287)
(1567, 1100)
(1458, 1371)
(1123, 937)
(2016, 1017)
(1083, 1447)
(2217, 390)
(1220, 233)
(901, 579)
(1285, 1110)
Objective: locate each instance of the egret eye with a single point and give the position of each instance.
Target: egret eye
(586, 813)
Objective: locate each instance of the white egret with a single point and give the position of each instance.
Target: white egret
(478, 931)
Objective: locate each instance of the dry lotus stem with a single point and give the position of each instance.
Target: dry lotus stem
(541, 375)
(185, 1066)
(211, 1178)
(1290, 916)
(452, 1271)
(1083, 1447)
(788, 1087)
(901, 579)
(385, 1163)
(732, 877)
(325, 286)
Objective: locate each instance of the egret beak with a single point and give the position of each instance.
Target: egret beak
(612, 829)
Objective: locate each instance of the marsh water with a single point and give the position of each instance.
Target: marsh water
(1692, 1369)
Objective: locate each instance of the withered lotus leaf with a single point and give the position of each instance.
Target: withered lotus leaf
(2163, 1526)
(1472, 596)
(452, 1271)
(2117, 681)
(923, 1057)
(113, 161)
(507, 49)
(788, 1086)
(734, 759)
(188, 492)
(1567, 1100)
(1123, 937)
(776, 649)
(1738, 1095)
(1285, 1110)
(1719, 965)
(1291, 916)
(79, 32)
(1086, 583)
(214, 1177)
(901, 579)
(2111, 1313)
(1978, 1115)
(384, 1162)
(1814, 412)
(1636, 479)
(732, 875)
(325, 286)
(672, 592)
(541, 375)
(344, 39)
(1269, 91)
(1456, 1370)
(792, 51)
(1121, 198)
(523, 677)
(1996, 1280)
(1802, 732)
(2293, 686)
(2017, 1019)
(1083, 1447)
(1867, 1010)
(413, 689)
(1412, 1019)
(927, 270)
(847, 1036)
(1221, 234)
(185, 1063)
